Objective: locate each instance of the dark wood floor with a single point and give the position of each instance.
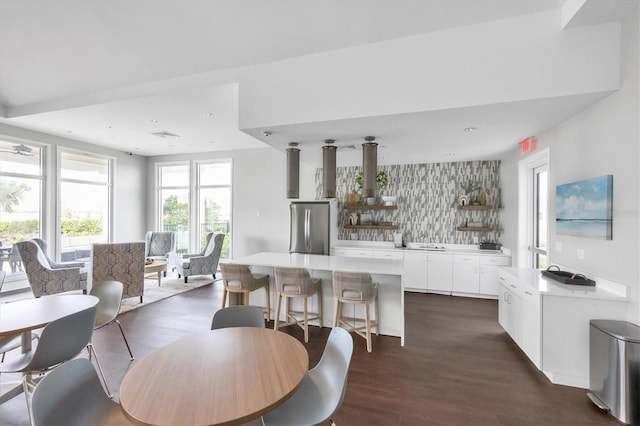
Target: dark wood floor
(458, 366)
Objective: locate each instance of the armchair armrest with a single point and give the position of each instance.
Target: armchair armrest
(65, 265)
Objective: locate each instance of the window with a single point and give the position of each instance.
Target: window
(21, 199)
(532, 212)
(85, 203)
(195, 199)
(173, 194)
(214, 201)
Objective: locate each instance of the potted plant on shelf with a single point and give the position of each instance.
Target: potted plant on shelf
(382, 181)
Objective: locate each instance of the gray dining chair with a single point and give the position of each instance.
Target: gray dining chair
(72, 395)
(238, 316)
(109, 294)
(322, 390)
(60, 341)
(9, 343)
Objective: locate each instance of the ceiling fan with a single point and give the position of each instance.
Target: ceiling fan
(19, 150)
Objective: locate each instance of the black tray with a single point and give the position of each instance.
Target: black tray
(566, 277)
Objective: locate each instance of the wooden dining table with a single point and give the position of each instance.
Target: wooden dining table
(24, 316)
(223, 376)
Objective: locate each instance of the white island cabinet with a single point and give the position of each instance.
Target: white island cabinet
(549, 321)
(387, 273)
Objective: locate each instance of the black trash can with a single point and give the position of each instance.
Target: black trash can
(614, 368)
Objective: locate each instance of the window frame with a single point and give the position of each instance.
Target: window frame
(527, 206)
(110, 190)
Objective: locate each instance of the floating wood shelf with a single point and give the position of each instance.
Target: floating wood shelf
(476, 207)
(474, 229)
(390, 227)
(375, 207)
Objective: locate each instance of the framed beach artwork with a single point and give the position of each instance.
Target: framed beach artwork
(583, 208)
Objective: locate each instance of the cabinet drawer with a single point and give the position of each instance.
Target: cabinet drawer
(391, 255)
(353, 253)
(494, 260)
(465, 259)
(507, 280)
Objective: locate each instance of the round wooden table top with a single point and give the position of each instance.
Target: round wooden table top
(155, 266)
(224, 376)
(30, 314)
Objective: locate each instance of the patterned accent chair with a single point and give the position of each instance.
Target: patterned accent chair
(203, 263)
(122, 262)
(159, 245)
(54, 265)
(44, 279)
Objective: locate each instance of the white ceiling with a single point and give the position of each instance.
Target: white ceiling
(110, 73)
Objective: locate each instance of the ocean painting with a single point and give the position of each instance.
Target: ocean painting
(583, 208)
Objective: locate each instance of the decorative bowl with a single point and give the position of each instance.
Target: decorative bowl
(389, 201)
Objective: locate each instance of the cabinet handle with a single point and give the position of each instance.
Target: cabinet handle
(513, 286)
(501, 278)
(527, 292)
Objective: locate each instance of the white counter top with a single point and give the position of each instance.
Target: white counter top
(388, 246)
(547, 286)
(322, 263)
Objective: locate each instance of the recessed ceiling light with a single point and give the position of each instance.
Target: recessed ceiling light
(469, 129)
(108, 126)
(267, 133)
(209, 114)
(154, 121)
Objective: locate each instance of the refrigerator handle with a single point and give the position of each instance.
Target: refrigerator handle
(307, 229)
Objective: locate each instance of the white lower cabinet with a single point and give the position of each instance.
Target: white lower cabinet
(489, 284)
(439, 273)
(477, 275)
(519, 315)
(552, 326)
(466, 273)
(415, 271)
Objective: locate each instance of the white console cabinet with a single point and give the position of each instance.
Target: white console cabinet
(549, 321)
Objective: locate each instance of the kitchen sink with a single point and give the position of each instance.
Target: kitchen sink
(425, 246)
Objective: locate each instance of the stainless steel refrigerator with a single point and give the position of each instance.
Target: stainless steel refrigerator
(313, 226)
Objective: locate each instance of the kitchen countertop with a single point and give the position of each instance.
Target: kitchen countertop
(547, 286)
(389, 246)
(322, 263)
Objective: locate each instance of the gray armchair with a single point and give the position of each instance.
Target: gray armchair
(54, 265)
(203, 263)
(122, 262)
(161, 246)
(44, 279)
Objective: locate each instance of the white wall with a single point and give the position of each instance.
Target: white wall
(129, 184)
(260, 218)
(602, 139)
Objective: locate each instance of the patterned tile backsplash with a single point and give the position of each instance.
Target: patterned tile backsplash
(427, 198)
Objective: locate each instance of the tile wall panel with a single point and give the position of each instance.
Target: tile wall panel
(427, 198)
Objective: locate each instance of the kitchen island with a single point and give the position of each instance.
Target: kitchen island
(387, 273)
